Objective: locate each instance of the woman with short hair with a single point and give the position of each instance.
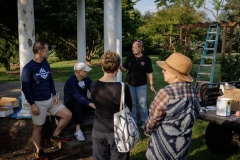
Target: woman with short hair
(106, 94)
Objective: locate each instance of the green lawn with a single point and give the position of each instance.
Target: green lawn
(198, 149)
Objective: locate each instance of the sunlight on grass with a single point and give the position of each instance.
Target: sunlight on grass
(198, 149)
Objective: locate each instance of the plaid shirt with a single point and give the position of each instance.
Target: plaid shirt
(159, 106)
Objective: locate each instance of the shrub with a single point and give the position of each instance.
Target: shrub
(230, 68)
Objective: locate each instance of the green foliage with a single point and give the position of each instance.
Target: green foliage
(7, 52)
(159, 23)
(94, 31)
(230, 68)
(189, 3)
(232, 7)
(8, 32)
(131, 20)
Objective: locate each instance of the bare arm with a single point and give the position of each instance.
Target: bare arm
(122, 69)
(150, 77)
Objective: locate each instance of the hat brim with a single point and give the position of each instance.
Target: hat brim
(87, 69)
(164, 65)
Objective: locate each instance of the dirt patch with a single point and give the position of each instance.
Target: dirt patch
(13, 72)
(56, 72)
(53, 152)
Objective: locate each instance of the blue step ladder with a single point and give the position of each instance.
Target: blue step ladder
(206, 70)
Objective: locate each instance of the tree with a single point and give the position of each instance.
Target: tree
(218, 5)
(232, 7)
(9, 32)
(56, 22)
(131, 20)
(161, 22)
(186, 3)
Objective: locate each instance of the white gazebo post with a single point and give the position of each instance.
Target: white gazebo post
(81, 31)
(26, 29)
(118, 31)
(109, 25)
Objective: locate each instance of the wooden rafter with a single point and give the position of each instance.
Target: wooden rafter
(204, 25)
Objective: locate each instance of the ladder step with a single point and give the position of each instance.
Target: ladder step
(202, 81)
(205, 73)
(212, 32)
(211, 40)
(210, 57)
(209, 49)
(214, 25)
(206, 65)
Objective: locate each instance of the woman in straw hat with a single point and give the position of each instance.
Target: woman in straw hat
(173, 111)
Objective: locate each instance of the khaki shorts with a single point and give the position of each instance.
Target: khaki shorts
(45, 107)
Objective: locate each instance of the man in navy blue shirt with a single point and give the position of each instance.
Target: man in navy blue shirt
(75, 95)
(39, 90)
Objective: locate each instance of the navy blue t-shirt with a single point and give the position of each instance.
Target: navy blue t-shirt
(37, 81)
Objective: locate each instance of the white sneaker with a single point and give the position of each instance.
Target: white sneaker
(79, 135)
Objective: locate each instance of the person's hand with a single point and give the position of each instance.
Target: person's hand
(56, 101)
(35, 110)
(92, 105)
(238, 113)
(152, 88)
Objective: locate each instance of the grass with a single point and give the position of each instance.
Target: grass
(198, 149)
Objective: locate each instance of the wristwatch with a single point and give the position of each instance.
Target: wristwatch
(151, 84)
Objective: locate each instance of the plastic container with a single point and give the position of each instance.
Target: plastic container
(223, 106)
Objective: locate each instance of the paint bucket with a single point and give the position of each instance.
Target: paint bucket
(224, 106)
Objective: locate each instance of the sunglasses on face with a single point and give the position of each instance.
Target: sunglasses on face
(138, 41)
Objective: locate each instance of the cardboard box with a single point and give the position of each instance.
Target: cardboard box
(5, 100)
(234, 95)
(5, 112)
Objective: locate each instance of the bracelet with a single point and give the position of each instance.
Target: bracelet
(151, 84)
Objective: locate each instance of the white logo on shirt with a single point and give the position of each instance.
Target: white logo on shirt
(43, 73)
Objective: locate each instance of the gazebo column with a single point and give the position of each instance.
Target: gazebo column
(81, 31)
(26, 29)
(118, 31)
(109, 25)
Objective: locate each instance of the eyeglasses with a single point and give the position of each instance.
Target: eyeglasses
(138, 41)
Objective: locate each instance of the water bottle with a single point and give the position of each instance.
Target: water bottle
(20, 102)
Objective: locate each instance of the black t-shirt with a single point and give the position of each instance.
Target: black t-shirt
(106, 98)
(137, 69)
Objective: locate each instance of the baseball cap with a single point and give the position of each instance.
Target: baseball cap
(81, 66)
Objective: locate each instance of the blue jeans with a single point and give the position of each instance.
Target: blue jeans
(139, 93)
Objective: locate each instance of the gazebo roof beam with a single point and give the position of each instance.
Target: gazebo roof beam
(204, 25)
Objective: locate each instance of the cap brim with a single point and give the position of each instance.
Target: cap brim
(87, 69)
(164, 65)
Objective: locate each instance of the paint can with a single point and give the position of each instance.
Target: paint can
(224, 106)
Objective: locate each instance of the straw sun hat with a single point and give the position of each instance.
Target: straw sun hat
(179, 65)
